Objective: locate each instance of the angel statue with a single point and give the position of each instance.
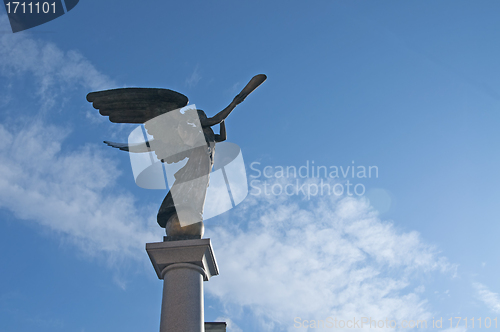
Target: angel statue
(179, 131)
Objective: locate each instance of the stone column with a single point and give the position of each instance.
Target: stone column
(183, 266)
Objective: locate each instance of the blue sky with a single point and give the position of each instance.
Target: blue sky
(409, 87)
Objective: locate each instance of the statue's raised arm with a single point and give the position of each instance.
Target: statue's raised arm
(222, 115)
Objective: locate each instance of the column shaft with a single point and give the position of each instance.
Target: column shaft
(182, 303)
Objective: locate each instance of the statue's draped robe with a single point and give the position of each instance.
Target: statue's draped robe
(189, 190)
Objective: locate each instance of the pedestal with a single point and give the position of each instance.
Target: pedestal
(183, 266)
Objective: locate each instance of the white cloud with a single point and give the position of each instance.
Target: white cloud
(195, 77)
(492, 300)
(234, 88)
(70, 192)
(54, 70)
(279, 258)
(231, 326)
(456, 329)
(327, 257)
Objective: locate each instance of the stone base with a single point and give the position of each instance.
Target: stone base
(215, 327)
(181, 237)
(183, 265)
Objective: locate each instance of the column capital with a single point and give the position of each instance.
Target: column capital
(197, 251)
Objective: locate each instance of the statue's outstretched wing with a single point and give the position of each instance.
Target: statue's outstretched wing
(136, 105)
(145, 105)
(139, 147)
(174, 153)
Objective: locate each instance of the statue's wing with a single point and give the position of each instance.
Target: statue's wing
(140, 105)
(136, 105)
(174, 155)
(139, 147)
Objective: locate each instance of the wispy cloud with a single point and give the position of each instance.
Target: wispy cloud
(195, 77)
(54, 70)
(73, 191)
(492, 300)
(231, 326)
(283, 259)
(456, 329)
(235, 88)
(70, 192)
(279, 258)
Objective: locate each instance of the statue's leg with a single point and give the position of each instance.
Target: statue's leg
(175, 231)
(167, 218)
(166, 211)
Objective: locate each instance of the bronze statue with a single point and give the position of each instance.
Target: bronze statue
(177, 134)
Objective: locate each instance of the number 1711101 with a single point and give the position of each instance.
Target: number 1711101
(473, 323)
(30, 8)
